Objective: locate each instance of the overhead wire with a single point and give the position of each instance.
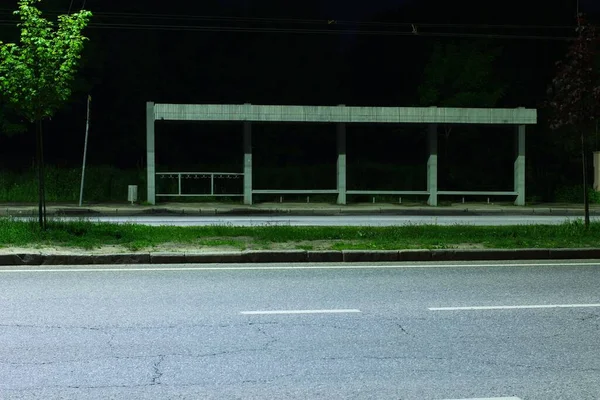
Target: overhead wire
(139, 27)
(332, 28)
(323, 31)
(312, 21)
(321, 21)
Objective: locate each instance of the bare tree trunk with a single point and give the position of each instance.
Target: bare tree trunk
(586, 200)
(41, 183)
(43, 175)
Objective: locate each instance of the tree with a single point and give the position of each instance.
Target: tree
(9, 126)
(575, 94)
(461, 73)
(36, 75)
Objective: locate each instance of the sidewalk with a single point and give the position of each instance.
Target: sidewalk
(198, 209)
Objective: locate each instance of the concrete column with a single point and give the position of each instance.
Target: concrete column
(150, 154)
(341, 162)
(432, 165)
(247, 163)
(519, 167)
(597, 171)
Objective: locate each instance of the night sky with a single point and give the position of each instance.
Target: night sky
(297, 54)
(341, 9)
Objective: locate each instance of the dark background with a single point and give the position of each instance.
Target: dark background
(315, 52)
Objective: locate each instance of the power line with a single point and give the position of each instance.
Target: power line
(412, 29)
(321, 31)
(217, 29)
(314, 21)
(323, 21)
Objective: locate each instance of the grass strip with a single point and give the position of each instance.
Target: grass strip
(89, 235)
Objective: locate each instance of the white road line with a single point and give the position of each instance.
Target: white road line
(491, 398)
(298, 312)
(223, 267)
(512, 307)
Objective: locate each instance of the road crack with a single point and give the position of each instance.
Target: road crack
(402, 329)
(270, 338)
(588, 316)
(28, 326)
(157, 372)
(267, 380)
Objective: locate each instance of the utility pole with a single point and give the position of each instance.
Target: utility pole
(87, 130)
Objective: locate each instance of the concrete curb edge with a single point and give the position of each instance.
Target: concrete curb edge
(297, 256)
(90, 212)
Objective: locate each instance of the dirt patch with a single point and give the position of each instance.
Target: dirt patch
(171, 248)
(202, 248)
(304, 244)
(466, 246)
(64, 250)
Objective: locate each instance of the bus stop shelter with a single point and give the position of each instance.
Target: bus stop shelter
(339, 116)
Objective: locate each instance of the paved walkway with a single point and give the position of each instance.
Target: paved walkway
(125, 209)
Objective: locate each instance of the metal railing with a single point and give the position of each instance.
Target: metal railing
(476, 193)
(181, 176)
(299, 191)
(214, 176)
(387, 192)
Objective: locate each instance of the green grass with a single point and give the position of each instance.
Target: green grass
(102, 183)
(87, 235)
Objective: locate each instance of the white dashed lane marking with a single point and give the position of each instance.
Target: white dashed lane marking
(475, 308)
(299, 312)
(490, 398)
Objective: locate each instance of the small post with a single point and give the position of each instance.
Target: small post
(281, 199)
(373, 199)
(308, 199)
(179, 182)
(212, 184)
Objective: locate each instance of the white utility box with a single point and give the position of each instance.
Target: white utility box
(132, 193)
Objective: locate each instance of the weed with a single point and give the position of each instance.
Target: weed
(89, 235)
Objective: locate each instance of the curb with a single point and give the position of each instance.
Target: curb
(297, 256)
(333, 211)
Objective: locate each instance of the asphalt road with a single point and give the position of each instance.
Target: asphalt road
(301, 332)
(342, 220)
